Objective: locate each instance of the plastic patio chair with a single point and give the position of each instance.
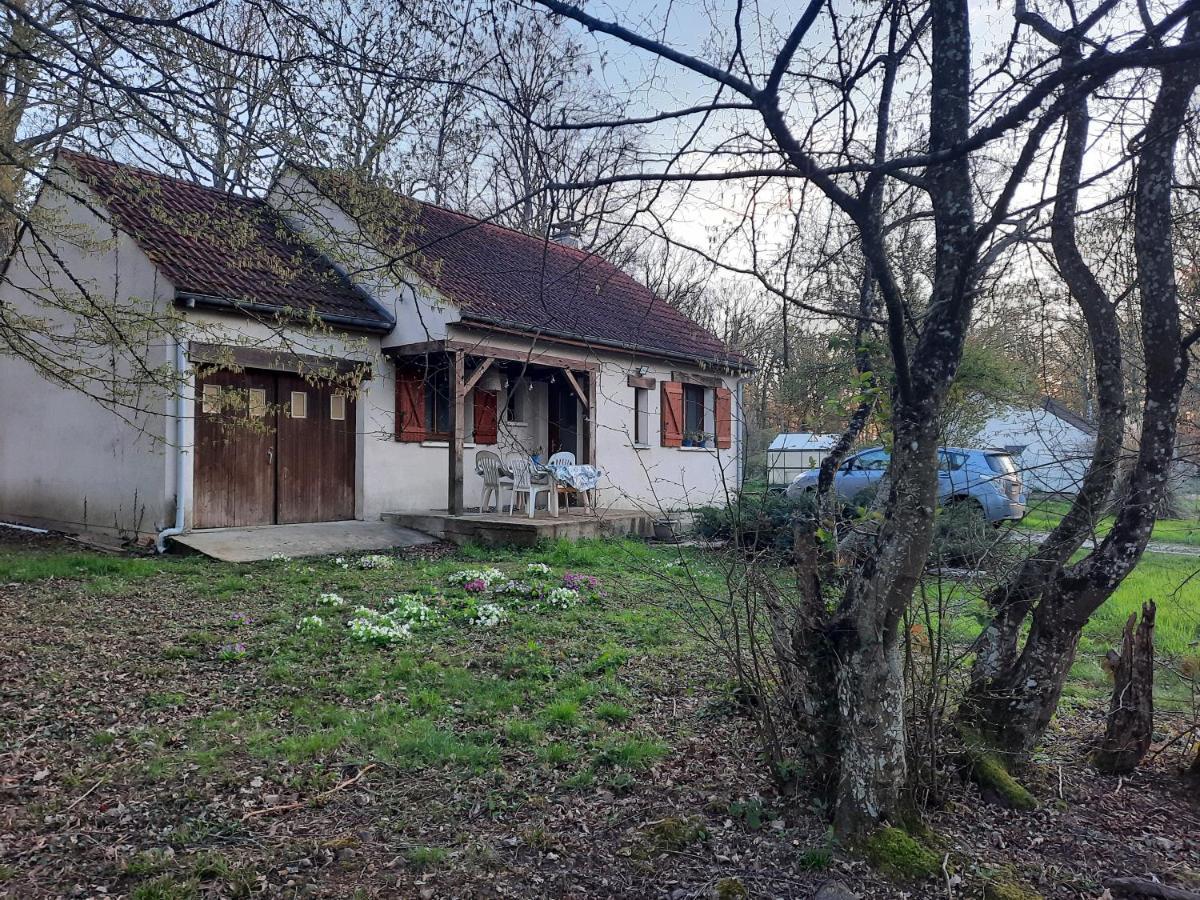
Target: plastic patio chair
(487, 464)
(564, 458)
(523, 484)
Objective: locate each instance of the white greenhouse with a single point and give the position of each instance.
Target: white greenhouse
(793, 454)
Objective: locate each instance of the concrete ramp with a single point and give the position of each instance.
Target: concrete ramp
(313, 539)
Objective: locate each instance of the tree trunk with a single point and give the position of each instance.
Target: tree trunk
(1020, 700)
(1131, 712)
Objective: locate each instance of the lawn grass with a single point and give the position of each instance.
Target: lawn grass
(1044, 513)
(463, 723)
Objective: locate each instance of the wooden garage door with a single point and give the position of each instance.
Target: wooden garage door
(271, 449)
(316, 453)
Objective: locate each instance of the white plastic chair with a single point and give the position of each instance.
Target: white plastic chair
(523, 483)
(487, 464)
(564, 458)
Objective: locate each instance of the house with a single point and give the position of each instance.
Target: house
(793, 454)
(337, 352)
(1051, 444)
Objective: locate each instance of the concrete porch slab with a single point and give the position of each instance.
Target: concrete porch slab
(499, 530)
(312, 539)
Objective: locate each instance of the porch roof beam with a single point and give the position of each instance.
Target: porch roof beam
(579, 392)
(478, 373)
(481, 349)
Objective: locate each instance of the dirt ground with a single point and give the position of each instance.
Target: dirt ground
(101, 793)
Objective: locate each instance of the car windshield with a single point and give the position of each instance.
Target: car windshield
(1001, 463)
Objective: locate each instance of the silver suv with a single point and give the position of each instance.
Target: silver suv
(987, 478)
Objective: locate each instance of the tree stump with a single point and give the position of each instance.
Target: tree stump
(1131, 711)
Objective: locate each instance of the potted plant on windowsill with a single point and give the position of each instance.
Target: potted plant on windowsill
(695, 439)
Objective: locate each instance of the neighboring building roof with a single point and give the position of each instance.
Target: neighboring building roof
(499, 276)
(215, 246)
(803, 440)
(1056, 409)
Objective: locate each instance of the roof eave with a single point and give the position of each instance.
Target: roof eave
(349, 323)
(488, 321)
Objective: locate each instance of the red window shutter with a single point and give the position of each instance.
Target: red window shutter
(410, 406)
(485, 417)
(672, 414)
(724, 416)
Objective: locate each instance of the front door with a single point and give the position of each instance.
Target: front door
(271, 448)
(562, 431)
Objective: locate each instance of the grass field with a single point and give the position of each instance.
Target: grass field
(1044, 514)
(184, 703)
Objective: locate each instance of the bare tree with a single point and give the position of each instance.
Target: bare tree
(843, 666)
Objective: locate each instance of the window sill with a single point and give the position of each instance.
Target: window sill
(517, 424)
(698, 449)
(467, 445)
(640, 446)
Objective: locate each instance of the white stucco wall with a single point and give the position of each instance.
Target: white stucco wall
(67, 460)
(1056, 454)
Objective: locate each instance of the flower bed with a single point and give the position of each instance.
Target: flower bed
(479, 598)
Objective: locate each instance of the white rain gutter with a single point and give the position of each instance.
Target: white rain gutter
(181, 498)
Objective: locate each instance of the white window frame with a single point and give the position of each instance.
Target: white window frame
(337, 407)
(303, 395)
(210, 403)
(256, 402)
(517, 402)
(641, 417)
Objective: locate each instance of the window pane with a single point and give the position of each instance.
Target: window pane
(299, 405)
(641, 416)
(258, 403)
(212, 399)
(337, 407)
(693, 408)
(437, 402)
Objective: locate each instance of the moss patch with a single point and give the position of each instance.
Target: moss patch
(668, 835)
(1008, 890)
(989, 771)
(895, 853)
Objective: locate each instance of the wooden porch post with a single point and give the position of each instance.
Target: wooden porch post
(593, 390)
(457, 433)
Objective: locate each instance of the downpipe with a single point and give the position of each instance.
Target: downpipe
(181, 498)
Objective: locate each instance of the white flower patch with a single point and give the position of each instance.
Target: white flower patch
(341, 562)
(310, 624)
(372, 627)
(333, 601)
(375, 561)
(488, 615)
(512, 588)
(536, 568)
(489, 577)
(280, 557)
(412, 611)
(560, 598)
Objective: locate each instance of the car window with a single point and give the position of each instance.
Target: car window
(1001, 463)
(950, 460)
(873, 460)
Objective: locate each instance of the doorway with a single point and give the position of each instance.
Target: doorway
(272, 449)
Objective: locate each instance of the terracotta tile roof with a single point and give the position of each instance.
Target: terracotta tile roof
(222, 246)
(504, 277)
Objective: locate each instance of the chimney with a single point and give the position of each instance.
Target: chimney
(566, 233)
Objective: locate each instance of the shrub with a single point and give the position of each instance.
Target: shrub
(753, 521)
(961, 535)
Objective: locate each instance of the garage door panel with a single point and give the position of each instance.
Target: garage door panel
(235, 449)
(316, 453)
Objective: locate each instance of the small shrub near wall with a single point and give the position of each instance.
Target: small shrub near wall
(759, 521)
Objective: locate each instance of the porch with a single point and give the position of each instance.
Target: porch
(474, 395)
(502, 530)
